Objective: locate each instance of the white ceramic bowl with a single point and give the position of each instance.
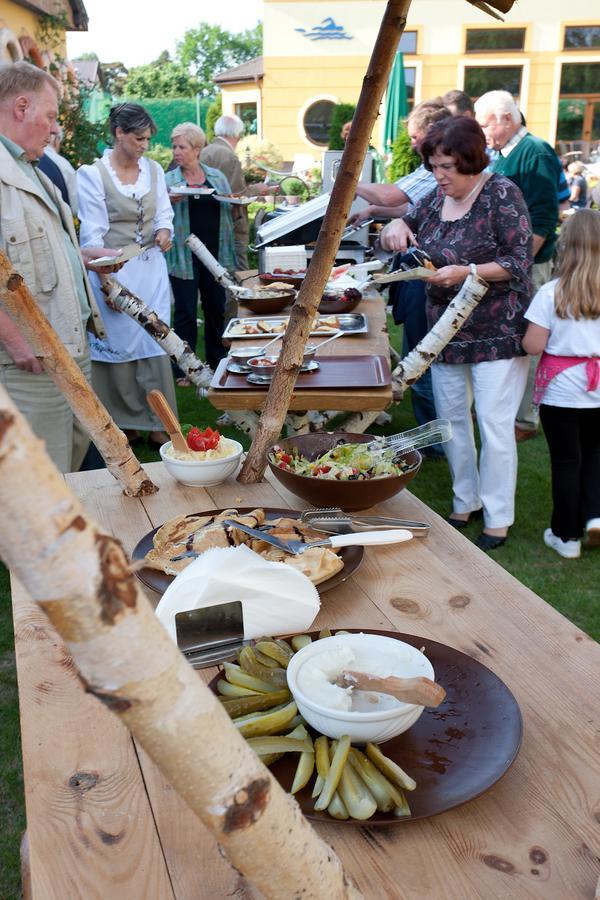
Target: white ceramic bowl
(202, 472)
(379, 725)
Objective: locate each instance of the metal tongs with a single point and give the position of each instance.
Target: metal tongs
(438, 431)
(333, 520)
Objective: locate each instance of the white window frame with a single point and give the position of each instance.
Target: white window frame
(569, 56)
(302, 112)
(499, 61)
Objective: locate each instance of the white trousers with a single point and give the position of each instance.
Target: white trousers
(496, 387)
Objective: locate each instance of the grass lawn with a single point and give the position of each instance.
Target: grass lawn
(571, 586)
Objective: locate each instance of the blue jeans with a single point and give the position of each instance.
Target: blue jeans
(408, 300)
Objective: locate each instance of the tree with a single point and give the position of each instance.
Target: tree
(209, 49)
(161, 78)
(114, 76)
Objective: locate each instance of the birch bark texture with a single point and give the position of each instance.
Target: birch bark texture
(417, 362)
(334, 221)
(81, 578)
(198, 372)
(17, 300)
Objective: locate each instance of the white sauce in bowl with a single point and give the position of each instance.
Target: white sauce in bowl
(316, 676)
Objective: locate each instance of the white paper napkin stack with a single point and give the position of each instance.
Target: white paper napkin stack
(276, 599)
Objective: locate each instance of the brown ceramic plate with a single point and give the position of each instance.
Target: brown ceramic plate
(455, 752)
(159, 581)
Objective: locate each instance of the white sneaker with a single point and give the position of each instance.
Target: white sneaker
(568, 549)
(592, 532)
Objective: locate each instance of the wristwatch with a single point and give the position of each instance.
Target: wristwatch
(473, 269)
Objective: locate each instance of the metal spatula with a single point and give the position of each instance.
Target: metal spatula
(212, 634)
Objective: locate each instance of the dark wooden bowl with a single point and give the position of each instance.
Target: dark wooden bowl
(332, 307)
(349, 495)
(268, 305)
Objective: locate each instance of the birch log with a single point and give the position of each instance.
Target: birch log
(81, 578)
(418, 360)
(334, 222)
(120, 460)
(198, 372)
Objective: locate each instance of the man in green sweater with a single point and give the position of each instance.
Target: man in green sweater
(531, 164)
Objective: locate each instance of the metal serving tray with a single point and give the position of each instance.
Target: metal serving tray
(350, 323)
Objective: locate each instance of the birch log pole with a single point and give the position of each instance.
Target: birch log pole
(120, 460)
(418, 360)
(81, 578)
(198, 372)
(319, 270)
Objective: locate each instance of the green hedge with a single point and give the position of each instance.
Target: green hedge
(169, 112)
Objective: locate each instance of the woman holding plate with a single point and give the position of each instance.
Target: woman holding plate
(475, 221)
(123, 202)
(211, 221)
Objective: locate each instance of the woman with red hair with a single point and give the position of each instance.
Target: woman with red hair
(475, 222)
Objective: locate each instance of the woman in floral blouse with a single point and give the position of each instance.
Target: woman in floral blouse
(475, 221)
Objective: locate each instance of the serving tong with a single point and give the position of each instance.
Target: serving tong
(333, 520)
(438, 431)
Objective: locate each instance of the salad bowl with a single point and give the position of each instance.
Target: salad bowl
(336, 490)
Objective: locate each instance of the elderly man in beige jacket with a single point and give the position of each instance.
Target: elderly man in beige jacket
(220, 154)
(37, 235)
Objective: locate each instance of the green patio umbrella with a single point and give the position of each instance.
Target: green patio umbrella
(396, 103)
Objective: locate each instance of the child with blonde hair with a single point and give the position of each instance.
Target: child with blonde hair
(564, 327)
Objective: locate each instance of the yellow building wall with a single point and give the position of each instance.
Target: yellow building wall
(24, 21)
(298, 71)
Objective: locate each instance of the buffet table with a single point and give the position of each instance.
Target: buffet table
(103, 823)
(373, 343)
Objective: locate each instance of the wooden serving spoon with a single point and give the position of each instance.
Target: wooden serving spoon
(158, 404)
(421, 691)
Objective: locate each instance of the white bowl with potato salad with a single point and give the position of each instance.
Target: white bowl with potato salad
(203, 467)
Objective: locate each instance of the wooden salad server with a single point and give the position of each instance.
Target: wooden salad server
(421, 691)
(158, 404)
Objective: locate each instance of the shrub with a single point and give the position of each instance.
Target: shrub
(404, 159)
(160, 154)
(342, 113)
(252, 149)
(213, 113)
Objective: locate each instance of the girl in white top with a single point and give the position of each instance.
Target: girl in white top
(564, 319)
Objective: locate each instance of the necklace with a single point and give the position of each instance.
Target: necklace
(469, 195)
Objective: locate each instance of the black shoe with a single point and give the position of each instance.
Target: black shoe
(462, 523)
(489, 541)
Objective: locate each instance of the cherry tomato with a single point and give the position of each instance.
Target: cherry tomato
(203, 440)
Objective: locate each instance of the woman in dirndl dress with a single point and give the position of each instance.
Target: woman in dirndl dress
(123, 200)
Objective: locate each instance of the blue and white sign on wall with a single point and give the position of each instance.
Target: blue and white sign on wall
(326, 31)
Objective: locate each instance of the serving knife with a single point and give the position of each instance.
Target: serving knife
(367, 538)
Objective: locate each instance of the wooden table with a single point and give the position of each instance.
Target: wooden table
(103, 823)
(375, 342)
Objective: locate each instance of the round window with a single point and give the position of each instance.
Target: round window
(317, 122)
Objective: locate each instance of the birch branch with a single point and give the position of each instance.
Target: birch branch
(419, 360)
(198, 372)
(81, 578)
(218, 272)
(306, 305)
(120, 460)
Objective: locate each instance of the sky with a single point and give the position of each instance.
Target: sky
(135, 33)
